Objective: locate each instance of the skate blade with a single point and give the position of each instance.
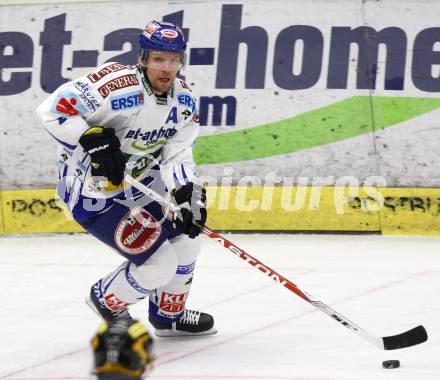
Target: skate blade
(177, 333)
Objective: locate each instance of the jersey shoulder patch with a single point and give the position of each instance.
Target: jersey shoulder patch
(104, 71)
(112, 77)
(74, 98)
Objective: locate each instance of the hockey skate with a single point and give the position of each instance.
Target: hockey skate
(107, 314)
(191, 323)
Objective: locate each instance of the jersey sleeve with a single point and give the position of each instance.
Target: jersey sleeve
(64, 114)
(178, 167)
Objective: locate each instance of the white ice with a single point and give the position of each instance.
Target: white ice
(386, 285)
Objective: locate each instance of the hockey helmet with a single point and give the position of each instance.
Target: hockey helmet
(162, 36)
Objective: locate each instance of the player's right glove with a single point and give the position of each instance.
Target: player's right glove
(104, 148)
(191, 198)
(122, 350)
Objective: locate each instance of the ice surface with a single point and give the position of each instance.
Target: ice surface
(384, 284)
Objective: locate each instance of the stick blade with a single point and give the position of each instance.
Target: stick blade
(409, 338)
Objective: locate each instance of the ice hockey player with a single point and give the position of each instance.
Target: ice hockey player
(144, 120)
(122, 350)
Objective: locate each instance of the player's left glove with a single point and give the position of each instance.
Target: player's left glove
(191, 198)
(122, 350)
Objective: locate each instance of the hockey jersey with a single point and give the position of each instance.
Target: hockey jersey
(155, 132)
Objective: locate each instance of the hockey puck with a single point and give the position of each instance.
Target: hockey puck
(391, 364)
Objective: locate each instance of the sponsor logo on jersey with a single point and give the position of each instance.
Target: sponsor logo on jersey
(98, 75)
(137, 232)
(67, 106)
(169, 33)
(146, 140)
(173, 303)
(132, 100)
(118, 83)
(68, 103)
(186, 100)
(113, 303)
(84, 93)
(137, 165)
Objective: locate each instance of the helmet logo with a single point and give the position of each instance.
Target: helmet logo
(160, 36)
(169, 33)
(150, 29)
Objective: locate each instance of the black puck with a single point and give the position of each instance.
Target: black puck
(391, 364)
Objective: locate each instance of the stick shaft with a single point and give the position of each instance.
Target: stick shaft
(406, 339)
(278, 278)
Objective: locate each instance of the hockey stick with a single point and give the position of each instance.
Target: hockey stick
(408, 338)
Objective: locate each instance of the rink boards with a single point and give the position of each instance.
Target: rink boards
(403, 211)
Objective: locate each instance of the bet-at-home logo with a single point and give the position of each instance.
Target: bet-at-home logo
(323, 55)
(150, 139)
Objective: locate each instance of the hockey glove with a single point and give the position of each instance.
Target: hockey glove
(191, 198)
(104, 148)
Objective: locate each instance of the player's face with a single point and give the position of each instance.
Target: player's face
(162, 68)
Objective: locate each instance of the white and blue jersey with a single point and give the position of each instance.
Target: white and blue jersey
(155, 132)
